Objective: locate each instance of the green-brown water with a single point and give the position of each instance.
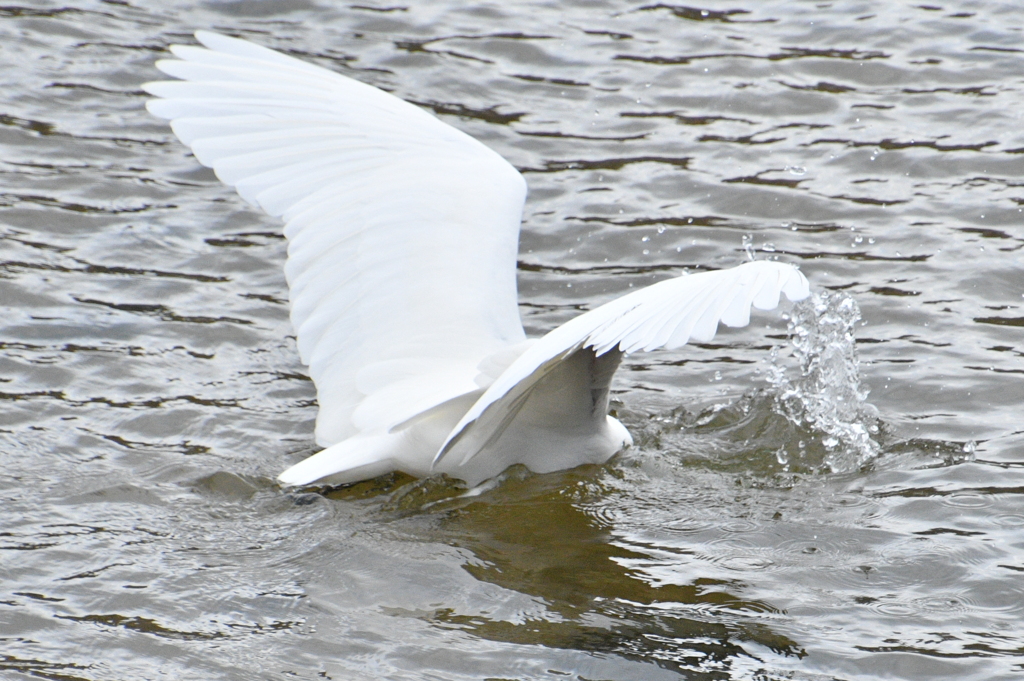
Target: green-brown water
(150, 390)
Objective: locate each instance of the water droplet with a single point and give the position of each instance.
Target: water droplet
(796, 170)
(718, 375)
(646, 238)
(748, 246)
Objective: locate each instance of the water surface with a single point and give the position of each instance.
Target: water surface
(151, 390)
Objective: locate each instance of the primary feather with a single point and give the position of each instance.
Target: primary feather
(402, 241)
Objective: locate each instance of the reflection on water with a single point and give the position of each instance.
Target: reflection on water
(595, 599)
(150, 389)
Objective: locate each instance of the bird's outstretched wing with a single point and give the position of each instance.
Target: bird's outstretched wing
(402, 231)
(665, 315)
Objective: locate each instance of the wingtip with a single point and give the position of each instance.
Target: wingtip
(205, 36)
(453, 438)
(294, 476)
(312, 469)
(796, 286)
(153, 86)
(156, 106)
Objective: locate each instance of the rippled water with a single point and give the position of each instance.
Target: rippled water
(151, 390)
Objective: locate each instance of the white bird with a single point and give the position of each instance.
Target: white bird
(402, 242)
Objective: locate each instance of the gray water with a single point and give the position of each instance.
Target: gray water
(151, 390)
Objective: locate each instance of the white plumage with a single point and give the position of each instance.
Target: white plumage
(402, 241)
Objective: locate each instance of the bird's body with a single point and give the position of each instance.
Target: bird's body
(403, 236)
(563, 422)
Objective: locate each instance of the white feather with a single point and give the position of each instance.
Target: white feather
(403, 234)
(702, 299)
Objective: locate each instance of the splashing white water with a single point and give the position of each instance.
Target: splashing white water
(825, 396)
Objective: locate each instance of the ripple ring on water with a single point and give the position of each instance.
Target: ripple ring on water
(968, 500)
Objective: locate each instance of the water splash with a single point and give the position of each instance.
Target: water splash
(748, 247)
(824, 395)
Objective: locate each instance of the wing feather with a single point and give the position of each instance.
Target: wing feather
(403, 231)
(666, 314)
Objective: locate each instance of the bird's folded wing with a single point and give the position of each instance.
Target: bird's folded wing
(667, 314)
(402, 231)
